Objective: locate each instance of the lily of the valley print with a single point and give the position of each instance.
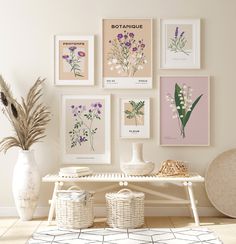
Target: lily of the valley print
(184, 110)
(182, 105)
(85, 129)
(127, 53)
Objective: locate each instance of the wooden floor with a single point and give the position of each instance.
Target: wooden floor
(14, 231)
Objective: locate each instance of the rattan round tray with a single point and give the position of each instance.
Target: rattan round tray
(220, 181)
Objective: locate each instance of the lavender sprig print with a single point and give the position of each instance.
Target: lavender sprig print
(182, 105)
(83, 130)
(74, 59)
(178, 43)
(126, 54)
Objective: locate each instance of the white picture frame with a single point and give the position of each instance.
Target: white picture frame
(73, 60)
(142, 78)
(180, 43)
(134, 117)
(197, 128)
(85, 119)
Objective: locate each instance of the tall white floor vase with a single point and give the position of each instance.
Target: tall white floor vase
(26, 184)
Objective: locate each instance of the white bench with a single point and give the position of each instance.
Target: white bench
(125, 180)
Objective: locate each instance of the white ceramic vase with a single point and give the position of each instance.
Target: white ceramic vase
(137, 153)
(26, 184)
(137, 165)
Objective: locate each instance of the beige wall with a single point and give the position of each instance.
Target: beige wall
(26, 52)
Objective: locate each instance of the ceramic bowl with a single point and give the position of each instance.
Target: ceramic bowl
(137, 168)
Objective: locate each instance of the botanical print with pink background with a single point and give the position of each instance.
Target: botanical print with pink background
(196, 130)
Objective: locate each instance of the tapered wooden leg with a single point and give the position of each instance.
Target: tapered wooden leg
(52, 202)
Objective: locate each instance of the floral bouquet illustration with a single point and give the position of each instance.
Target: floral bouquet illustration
(182, 105)
(178, 42)
(84, 130)
(135, 112)
(74, 60)
(126, 54)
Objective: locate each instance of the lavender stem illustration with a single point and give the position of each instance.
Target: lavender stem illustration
(74, 60)
(83, 130)
(126, 54)
(178, 42)
(182, 105)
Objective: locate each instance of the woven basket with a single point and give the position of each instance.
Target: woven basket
(74, 212)
(125, 209)
(174, 168)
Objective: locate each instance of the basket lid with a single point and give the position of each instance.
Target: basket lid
(73, 194)
(125, 194)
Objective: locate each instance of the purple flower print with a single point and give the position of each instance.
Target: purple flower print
(128, 44)
(82, 139)
(181, 35)
(131, 35)
(176, 31)
(84, 130)
(65, 56)
(72, 49)
(81, 54)
(127, 54)
(119, 36)
(74, 61)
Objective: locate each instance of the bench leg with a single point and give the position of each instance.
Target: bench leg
(57, 186)
(193, 203)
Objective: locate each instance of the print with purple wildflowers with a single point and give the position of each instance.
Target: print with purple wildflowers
(126, 54)
(83, 129)
(74, 59)
(182, 105)
(178, 42)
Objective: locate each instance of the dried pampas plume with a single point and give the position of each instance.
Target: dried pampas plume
(29, 119)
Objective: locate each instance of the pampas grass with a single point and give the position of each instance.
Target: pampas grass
(28, 118)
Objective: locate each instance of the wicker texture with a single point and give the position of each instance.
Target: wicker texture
(125, 209)
(173, 168)
(74, 213)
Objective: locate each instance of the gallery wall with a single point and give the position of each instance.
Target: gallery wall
(26, 52)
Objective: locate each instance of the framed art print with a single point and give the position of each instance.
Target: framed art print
(85, 129)
(180, 43)
(127, 53)
(74, 60)
(135, 117)
(184, 111)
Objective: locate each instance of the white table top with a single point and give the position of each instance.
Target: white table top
(117, 177)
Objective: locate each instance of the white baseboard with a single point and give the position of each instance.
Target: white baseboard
(100, 211)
